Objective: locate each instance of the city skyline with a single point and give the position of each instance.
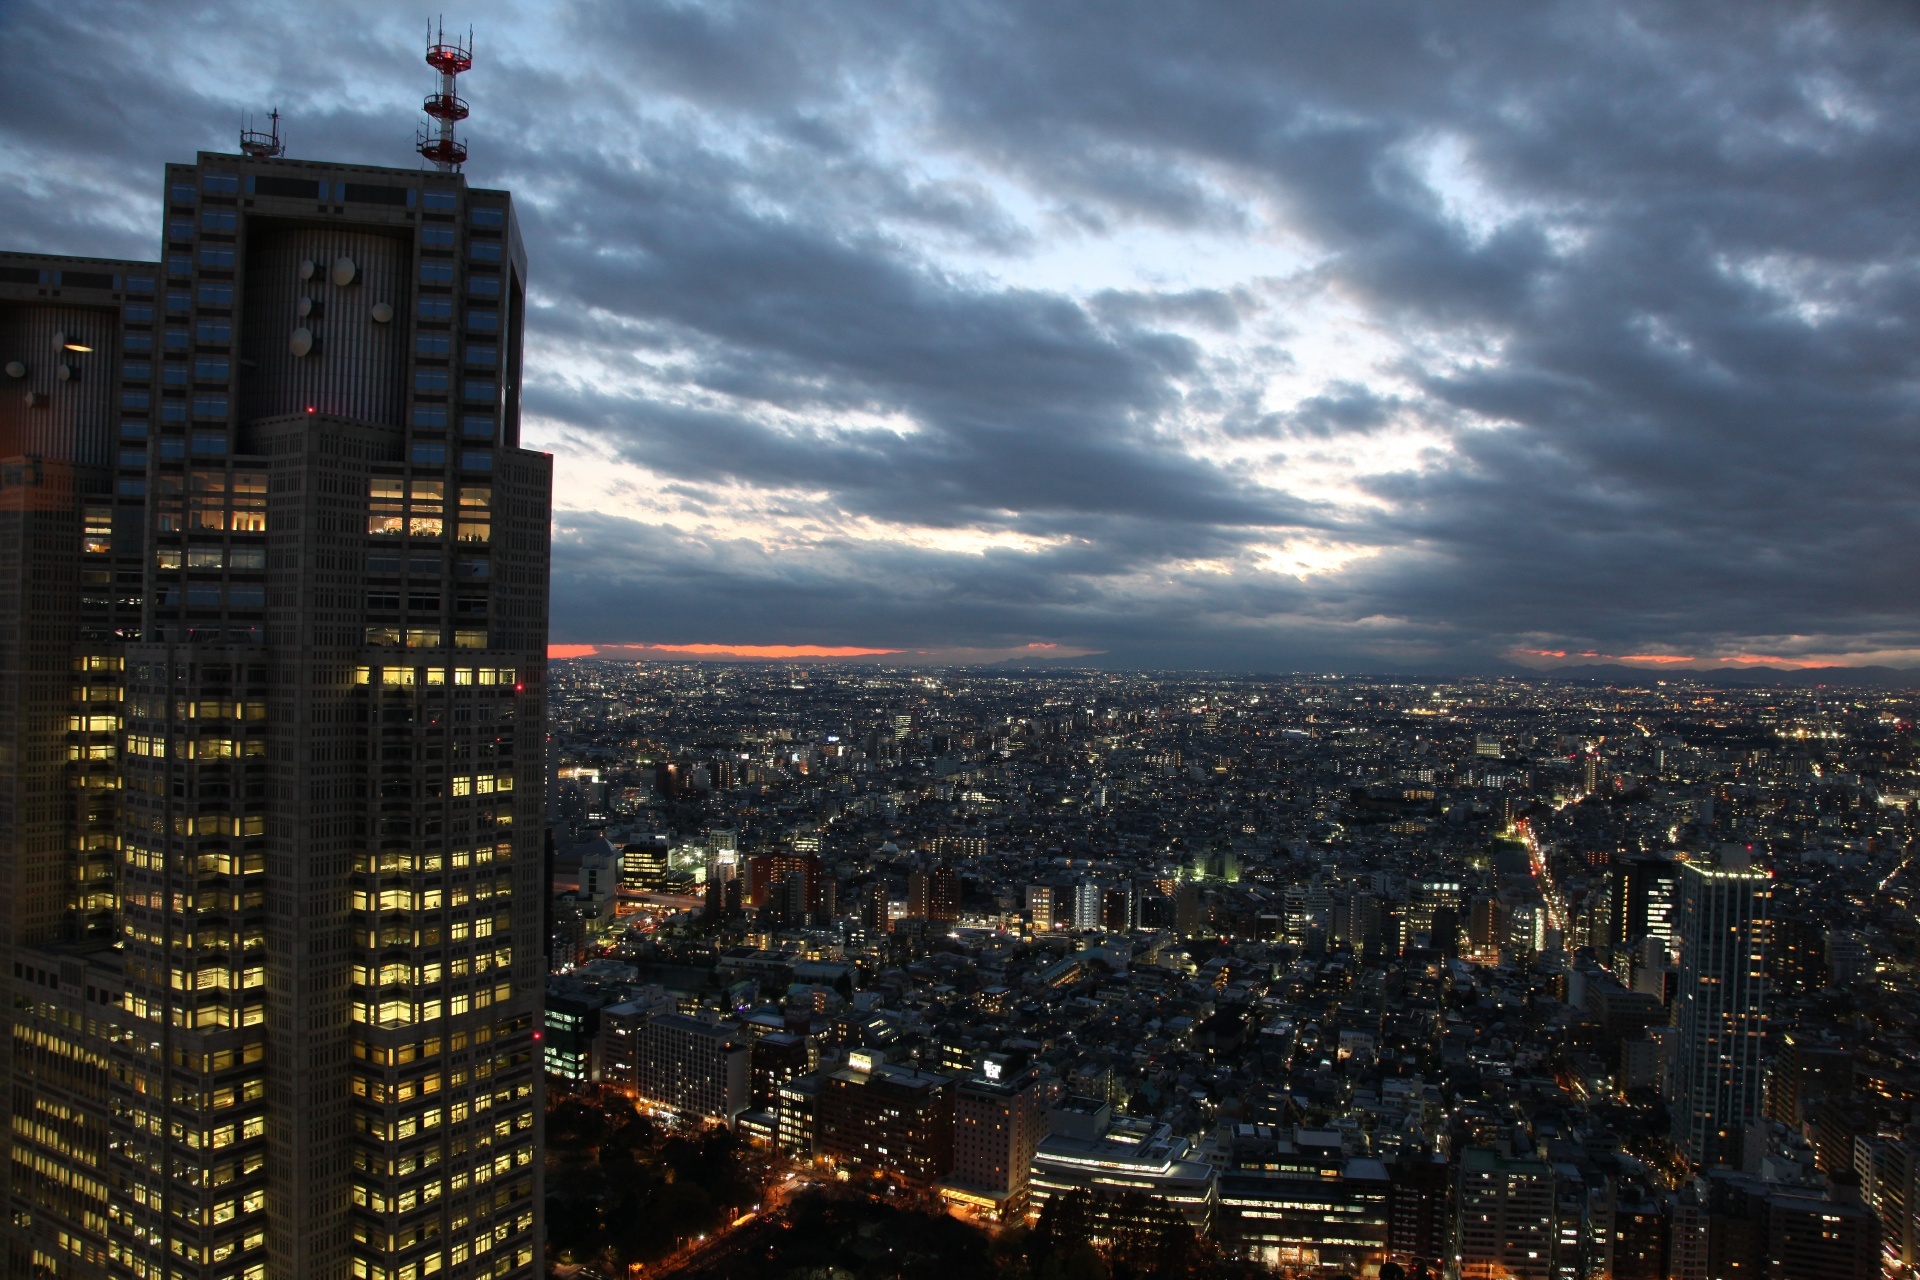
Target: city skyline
(1385, 339)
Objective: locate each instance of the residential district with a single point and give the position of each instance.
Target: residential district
(1321, 976)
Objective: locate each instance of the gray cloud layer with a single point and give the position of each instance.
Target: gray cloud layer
(1673, 357)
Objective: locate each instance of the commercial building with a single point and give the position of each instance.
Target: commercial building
(997, 1126)
(895, 1119)
(311, 1052)
(691, 1067)
(1720, 1007)
(1089, 1148)
(1291, 1199)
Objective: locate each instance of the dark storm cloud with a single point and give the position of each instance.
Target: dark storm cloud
(1650, 270)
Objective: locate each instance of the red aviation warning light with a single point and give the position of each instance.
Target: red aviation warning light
(449, 58)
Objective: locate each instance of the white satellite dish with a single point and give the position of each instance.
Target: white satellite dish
(382, 313)
(301, 342)
(343, 271)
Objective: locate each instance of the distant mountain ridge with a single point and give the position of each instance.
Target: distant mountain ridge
(1788, 677)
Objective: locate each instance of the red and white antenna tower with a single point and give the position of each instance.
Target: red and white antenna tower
(263, 146)
(449, 59)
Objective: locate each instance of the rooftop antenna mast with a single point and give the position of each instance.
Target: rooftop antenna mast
(263, 146)
(449, 59)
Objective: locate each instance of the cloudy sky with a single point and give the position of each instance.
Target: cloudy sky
(1375, 336)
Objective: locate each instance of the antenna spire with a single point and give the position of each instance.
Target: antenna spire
(449, 59)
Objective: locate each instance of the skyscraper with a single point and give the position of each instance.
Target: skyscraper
(1720, 1008)
(277, 959)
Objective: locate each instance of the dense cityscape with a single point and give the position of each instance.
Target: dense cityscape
(1341, 975)
(539, 728)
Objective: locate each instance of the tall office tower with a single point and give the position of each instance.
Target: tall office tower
(69, 597)
(304, 1046)
(1719, 1008)
(1641, 892)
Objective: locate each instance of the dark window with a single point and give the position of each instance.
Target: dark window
(213, 331)
(484, 286)
(383, 562)
(140, 313)
(477, 426)
(384, 601)
(436, 273)
(203, 595)
(437, 237)
(430, 381)
(476, 461)
(247, 597)
(483, 353)
(176, 340)
(436, 308)
(173, 410)
(437, 200)
(210, 442)
(423, 602)
(433, 345)
(179, 264)
(210, 368)
(429, 455)
(484, 217)
(178, 300)
(137, 341)
(428, 565)
(134, 400)
(180, 229)
(216, 295)
(133, 457)
(182, 193)
(475, 570)
(87, 279)
(134, 428)
(485, 321)
(219, 220)
(299, 188)
(132, 486)
(429, 415)
(19, 275)
(136, 372)
(217, 255)
(477, 389)
(210, 407)
(248, 559)
(139, 284)
(366, 193)
(484, 251)
(220, 184)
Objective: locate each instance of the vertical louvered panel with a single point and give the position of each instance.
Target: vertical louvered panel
(357, 368)
(73, 420)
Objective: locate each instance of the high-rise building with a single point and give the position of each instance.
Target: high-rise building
(1042, 906)
(1720, 1006)
(934, 894)
(284, 928)
(1503, 1217)
(997, 1126)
